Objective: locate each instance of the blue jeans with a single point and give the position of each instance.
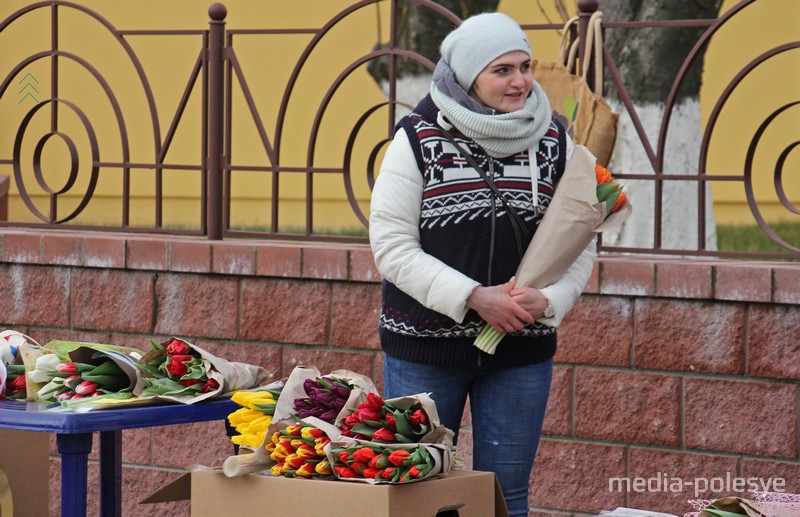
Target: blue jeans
(507, 407)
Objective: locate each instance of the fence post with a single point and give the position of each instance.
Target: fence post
(585, 10)
(216, 106)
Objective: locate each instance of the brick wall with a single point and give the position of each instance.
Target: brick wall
(666, 369)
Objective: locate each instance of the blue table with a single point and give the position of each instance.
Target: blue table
(74, 439)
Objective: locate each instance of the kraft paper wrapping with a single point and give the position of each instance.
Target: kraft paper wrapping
(572, 221)
(230, 375)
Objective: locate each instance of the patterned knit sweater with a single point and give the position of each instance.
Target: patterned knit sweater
(460, 226)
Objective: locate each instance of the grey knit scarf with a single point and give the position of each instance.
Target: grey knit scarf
(501, 134)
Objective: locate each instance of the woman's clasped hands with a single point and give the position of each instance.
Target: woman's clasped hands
(507, 308)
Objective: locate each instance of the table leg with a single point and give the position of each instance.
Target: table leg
(111, 473)
(74, 450)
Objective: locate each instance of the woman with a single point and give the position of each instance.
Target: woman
(445, 241)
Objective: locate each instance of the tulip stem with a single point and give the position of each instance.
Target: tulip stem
(488, 339)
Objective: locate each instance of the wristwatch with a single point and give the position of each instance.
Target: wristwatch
(549, 311)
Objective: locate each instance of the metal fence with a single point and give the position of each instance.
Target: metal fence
(218, 71)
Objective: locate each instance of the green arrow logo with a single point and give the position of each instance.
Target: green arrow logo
(29, 80)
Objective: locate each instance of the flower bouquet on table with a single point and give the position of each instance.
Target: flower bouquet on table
(17, 354)
(586, 203)
(179, 371)
(75, 373)
(310, 400)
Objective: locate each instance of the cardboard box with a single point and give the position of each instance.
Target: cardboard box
(24, 458)
(469, 493)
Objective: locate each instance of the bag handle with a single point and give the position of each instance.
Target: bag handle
(594, 36)
(568, 51)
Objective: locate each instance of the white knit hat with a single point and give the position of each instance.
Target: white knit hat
(479, 40)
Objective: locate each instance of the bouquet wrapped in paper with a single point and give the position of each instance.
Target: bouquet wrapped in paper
(398, 440)
(412, 419)
(179, 371)
(17, 356)
(75, 373)
(375, 463)
(586, 203)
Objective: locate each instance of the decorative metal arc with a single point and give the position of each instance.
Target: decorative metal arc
(73, 171)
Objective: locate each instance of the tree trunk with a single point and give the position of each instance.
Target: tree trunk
(422, 30)
(648, 60)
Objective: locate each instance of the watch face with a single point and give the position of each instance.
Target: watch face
(549, 312)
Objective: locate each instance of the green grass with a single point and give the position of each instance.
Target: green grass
(752, 239)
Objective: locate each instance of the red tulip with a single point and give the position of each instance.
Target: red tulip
(418, 417)
(178, 347)
(66, 367)
(209, 386)
(364, 454)
(345, 472)
(397, 457)
(176, 366)
(373, 402)
(384, 435)
(364, 414)
(72, 381)
(371, 473)
(86, 388)
(18, 383)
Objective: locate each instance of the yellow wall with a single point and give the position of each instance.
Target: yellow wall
(757, 29)
(267, 62)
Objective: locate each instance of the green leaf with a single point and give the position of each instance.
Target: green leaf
(195, 371)
(123, 395)
(107, 367)
(401, 438)
(109, 382)
(362, 428)
(604, 190)
(401, 423)
(164, 386)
